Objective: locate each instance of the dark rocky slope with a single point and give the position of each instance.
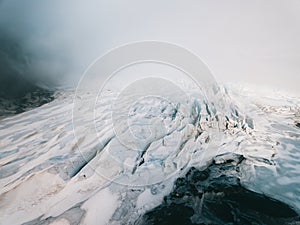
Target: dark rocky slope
(216, 196)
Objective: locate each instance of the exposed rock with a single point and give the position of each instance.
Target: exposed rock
(216, 196)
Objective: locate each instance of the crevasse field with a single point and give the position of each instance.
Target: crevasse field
(49, 175)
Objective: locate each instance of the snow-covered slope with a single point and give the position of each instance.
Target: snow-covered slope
(50, 176)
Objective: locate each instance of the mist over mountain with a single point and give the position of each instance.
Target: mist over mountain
(202, 134)
(47, 44)
(51, 43)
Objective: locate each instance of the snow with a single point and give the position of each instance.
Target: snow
(100, 208)
(49, 173)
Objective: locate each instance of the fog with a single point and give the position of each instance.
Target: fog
(52, 42)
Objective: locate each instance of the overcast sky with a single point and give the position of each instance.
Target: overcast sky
(247, 41)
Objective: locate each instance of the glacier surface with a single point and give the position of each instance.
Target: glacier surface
(51, 175)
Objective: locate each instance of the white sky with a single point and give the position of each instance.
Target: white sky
(255, 41)
(250, 41)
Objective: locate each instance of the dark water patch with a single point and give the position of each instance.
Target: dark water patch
(216, 196)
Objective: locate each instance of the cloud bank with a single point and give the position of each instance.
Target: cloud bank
(52, 42)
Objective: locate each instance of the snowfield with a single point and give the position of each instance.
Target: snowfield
(50, 174)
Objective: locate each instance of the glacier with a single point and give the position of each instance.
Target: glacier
(50, 174)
